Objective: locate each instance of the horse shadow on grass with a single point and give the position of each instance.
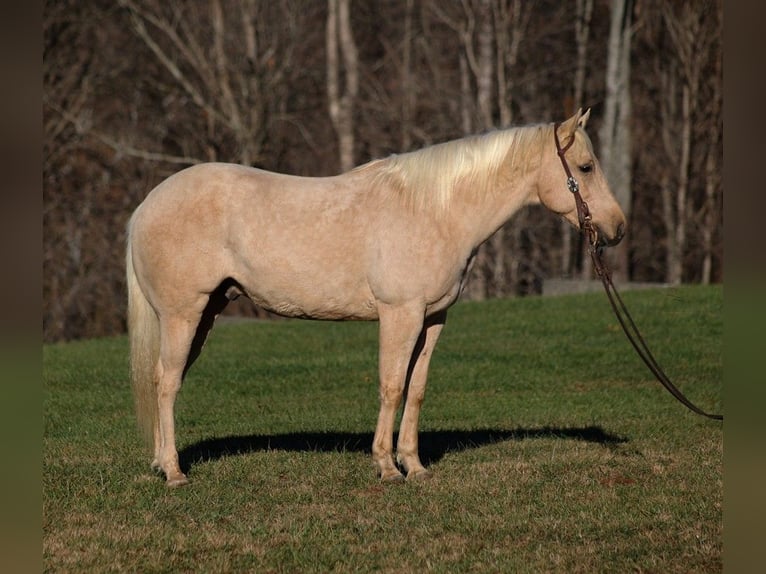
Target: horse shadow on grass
(433, 444)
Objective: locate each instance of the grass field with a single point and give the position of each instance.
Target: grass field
(552, 448)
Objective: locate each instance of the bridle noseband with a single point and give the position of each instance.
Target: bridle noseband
(595, 249)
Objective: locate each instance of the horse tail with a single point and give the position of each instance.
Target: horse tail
(144, 334)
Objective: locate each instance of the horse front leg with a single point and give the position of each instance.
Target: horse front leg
(407, 445)
(400, 327)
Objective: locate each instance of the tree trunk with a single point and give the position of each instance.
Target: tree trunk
(484, 74)
(582, 33)
(668, 118)
(712, 169)
(675, 261)
(710, 208)
(491, 256)
(691, 45)
(502, 19)
(408, 92)
(614, 136)
(466, 101)
(342, 105)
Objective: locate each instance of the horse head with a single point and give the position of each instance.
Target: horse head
(574, 152)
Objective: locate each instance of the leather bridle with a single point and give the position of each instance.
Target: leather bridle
(595, 249)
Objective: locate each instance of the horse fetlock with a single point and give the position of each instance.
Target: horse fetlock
(419, 474)
(176, 480)
(170, 467)
(387, 470)
(391, 476)
(412, 466)
(173, 475)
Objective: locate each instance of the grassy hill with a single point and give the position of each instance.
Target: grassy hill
(552, 447)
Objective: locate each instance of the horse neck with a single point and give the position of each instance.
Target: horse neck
(480, 217)
(510, 188)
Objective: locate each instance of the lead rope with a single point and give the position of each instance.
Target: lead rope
(618, 306)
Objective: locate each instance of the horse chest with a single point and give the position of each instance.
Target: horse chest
(455, 288)
(467, 270)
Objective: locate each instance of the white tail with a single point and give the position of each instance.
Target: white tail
(144, 332)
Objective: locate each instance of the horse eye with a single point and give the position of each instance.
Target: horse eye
(587, 168)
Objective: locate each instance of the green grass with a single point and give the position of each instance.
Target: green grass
(552, 448)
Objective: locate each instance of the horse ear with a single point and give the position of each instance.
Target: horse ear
(568, 128)
(583, 119)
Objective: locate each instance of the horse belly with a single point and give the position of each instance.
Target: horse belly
(310, 292)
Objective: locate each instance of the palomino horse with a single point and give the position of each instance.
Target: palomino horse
(392, 240)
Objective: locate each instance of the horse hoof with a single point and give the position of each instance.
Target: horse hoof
(392, 477)
(419, 475)
(177, 481)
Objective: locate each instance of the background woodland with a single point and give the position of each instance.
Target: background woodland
(135, 90)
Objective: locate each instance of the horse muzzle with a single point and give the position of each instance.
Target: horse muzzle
(607, 240)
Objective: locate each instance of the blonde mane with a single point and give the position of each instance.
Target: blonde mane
(429, 178)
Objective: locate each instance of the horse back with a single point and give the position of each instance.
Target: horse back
(295, 245)
(328, 248)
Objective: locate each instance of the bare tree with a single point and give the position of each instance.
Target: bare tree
(582, 34)
(711, 211)
(491, 255)
(583, 18)
(510, 25)
(466, 97)
(408, 90)
(340, 38)
(511, 22)
(691, 43)
(224, 59)
(484, 65)
(81, 209)
(475, 29)
(614, 135)
(136, 89)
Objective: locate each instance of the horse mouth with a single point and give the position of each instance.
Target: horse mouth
(606, 241)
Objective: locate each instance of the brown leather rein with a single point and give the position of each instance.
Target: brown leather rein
(595, 249)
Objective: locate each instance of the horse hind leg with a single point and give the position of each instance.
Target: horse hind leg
(176, 339)
(227, 291)
(181, 342)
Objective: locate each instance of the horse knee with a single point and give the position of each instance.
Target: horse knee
(391, 393)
